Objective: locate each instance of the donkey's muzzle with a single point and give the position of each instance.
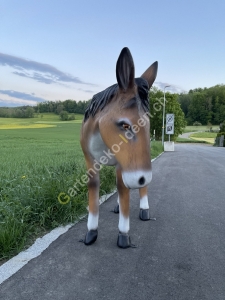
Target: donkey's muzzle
(141, 180)
(136, 179)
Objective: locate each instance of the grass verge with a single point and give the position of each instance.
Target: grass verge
(37, 165)
(29, 204)
(156, 148)
(182, 140)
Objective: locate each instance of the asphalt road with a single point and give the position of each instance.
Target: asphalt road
(187, 134)
(181, 255)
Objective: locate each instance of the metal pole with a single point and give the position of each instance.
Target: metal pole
(163, 118)
(164, 104)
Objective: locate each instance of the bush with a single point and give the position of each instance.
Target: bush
(64, 115)
(196, 123)
(72, 117)
(220, 134)
(222, 127)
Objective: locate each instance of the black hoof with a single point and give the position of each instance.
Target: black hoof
(123, 240)
(91, 237)
(116, 209)
(144, 214)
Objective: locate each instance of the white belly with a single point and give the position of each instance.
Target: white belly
(100, 152)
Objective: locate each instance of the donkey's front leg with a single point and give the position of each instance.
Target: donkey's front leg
(93, 197)
(123, 240)
(144, 206)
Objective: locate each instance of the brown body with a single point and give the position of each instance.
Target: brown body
(118, 135)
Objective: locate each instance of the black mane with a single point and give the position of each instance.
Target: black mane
(100, 100)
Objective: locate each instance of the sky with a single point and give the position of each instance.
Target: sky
(67, 49)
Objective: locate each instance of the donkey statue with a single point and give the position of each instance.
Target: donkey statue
(116, 132)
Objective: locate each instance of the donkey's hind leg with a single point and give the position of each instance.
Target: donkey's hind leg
(93, 197)
(123, 240)
(144, 214)
(117, 207)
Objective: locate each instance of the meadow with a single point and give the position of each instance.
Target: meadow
(200, 128)
(208, 137)
(40, 159)
(200, 134)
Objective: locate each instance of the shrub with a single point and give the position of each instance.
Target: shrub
(222, 127)
(64, 115)
(196, 123)
(72, 117)
(220, 134)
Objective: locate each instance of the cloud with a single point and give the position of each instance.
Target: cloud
(15, 103)
(87, 91)
(38, 71)
(37, 76)
(22, 96)
(172, 88)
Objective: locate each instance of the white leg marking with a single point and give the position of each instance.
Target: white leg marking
(92, 221)
(124, 223)
(144, 202)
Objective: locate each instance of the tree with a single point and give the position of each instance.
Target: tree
(184, 100)
(60, 108)
(64, 115)
(204, 105)
(29, 112)
(222, 127)
(156, 112)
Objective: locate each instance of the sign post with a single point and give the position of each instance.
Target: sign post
(169, 146)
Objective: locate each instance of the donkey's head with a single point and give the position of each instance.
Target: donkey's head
(124, 124)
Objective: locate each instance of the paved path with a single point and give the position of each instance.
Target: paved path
(181, 255)
(187, 134)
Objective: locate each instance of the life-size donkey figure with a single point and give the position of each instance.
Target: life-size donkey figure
(116, 132)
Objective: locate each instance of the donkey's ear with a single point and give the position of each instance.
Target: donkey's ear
(125, 70)
(150, 73)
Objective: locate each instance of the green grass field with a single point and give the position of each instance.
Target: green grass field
(48, 119)
(183, 140)
(208, 137)
(200, 128)
(200, 134)
(37, 165)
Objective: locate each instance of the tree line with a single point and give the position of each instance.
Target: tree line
(204, 106)
(61, 108)
(17, 112)
(200, 106)
(70, 106)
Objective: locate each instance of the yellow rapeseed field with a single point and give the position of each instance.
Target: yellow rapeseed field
(208, 140)
(20, 126)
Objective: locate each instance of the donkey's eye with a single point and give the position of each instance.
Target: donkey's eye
(126, 126)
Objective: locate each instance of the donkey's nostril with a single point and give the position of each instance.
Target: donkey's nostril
(141, 180)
